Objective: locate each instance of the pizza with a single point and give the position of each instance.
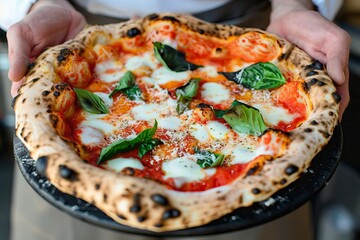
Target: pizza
(168, 122)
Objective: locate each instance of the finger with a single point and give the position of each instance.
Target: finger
(15, 87)
(19, 43)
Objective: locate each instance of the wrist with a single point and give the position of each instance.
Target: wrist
(282, 7)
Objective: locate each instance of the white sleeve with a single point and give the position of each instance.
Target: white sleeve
(12, 11)
(328, 8)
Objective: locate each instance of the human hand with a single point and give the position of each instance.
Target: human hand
(320, 38)
(48, 23)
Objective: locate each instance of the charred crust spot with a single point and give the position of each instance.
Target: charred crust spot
(306, 87)
(283, 181)
(256, 191)
(324, 133)
(141, 218)
(135, 208)
(35, 80)
(331, 113)
(30, 66)
(291, 169)
(41, 165)
(63, 55)
(105, 196)
(97, 186)
(218, 50)
(241, 199)
(201, 31)
(128, 171)
(311, 82)
(308, 130)
(24, 100)
(133, 32)
(171, 213)
(311, 73)
(54, 119)
(160, 199)
(321, 83)
(153, 16)
(45, 93)
(56, 93)
(122, 217)
(315, 65)
(67, 173)
(336, 97)
(314, 122)
(253, 170)
(13, 102)
(158, 225)
(170, 18)
(61, 86)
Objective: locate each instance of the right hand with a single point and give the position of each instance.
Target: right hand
(47, 24)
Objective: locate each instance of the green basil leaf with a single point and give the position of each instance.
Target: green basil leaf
(143, 140)
(91, 102)
(264, 75)
(221, 113)
(208, 159)
(128, 87)
(147, 146)
(245, 119)
(186, 93)
(173, 59)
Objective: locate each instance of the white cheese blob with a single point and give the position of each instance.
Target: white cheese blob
(95, 121)
(209, 71)
(182, 170)
(91, 136)
(136, 62)
(119, 164)
(215, 92)
(273, 115)
(200, 132)
(163, 75)
(109, 71)
(170, 123)
(243, 155)
(217, 130)
(146, 112)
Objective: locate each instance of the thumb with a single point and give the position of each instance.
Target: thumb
(20, 43)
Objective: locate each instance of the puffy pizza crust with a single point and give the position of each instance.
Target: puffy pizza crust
(144, 203)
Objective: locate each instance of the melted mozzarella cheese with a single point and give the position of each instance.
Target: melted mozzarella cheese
(163, 75)
(182, 170)
(273, 115)
(209, 71)
(171, 123)
(119, 164)
(136, 62)
(95, 121)
(200, 132)
(241, 154)
(109, 71)
(146, 112)
(215, 92)
(217, 130)
(91, 136)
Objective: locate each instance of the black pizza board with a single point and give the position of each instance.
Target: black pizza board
(282, 202)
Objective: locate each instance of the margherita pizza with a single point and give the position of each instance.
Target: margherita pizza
(168, 122)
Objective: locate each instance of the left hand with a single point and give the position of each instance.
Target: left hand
(321, 39)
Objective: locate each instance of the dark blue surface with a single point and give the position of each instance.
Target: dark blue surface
(282, 202)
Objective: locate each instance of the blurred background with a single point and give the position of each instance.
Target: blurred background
(336, 208)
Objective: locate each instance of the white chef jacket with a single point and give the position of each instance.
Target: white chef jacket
(12, 11)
